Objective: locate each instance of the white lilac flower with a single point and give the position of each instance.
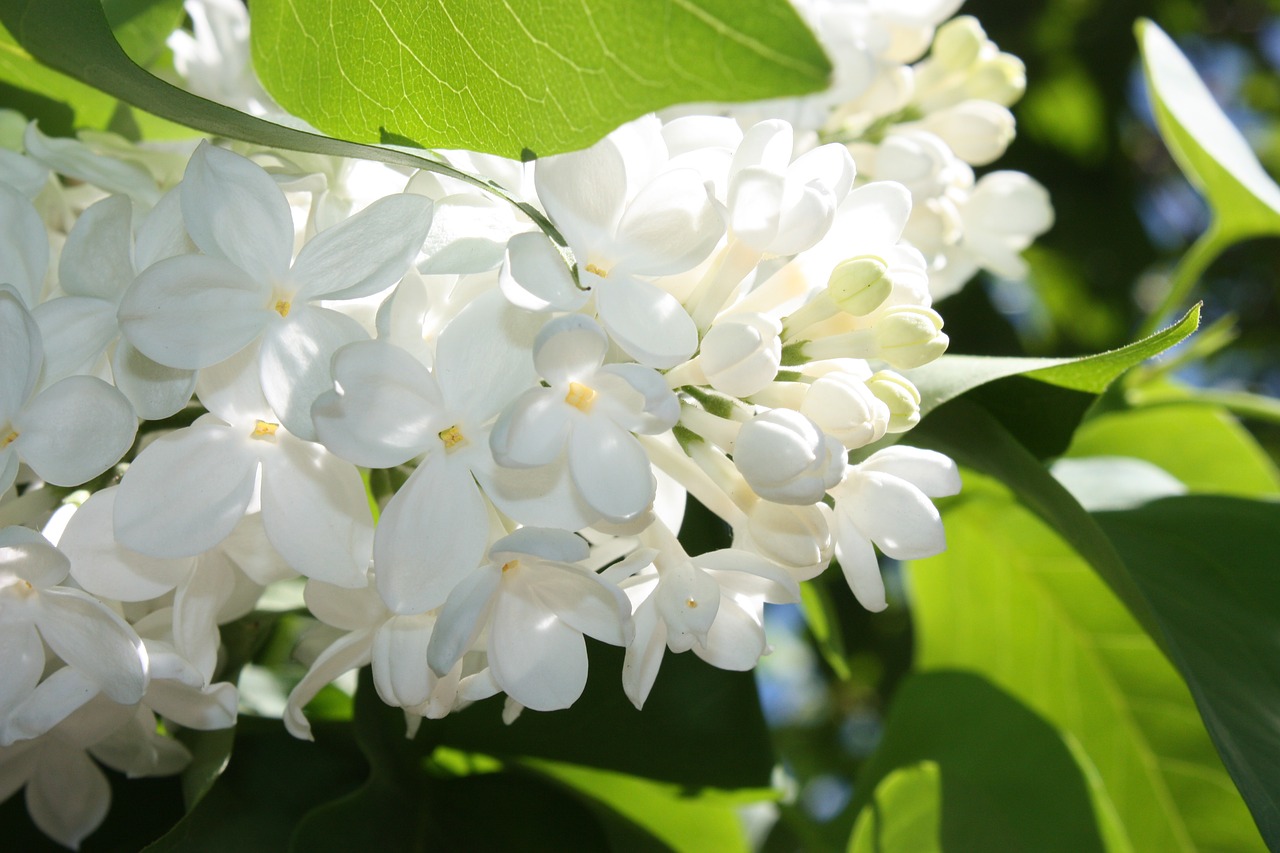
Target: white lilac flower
(886, 501)
(24, 246)
(536, 605)
(188, 490)
(584, 419)
(37, 610)
(193, 311)
(69, 432)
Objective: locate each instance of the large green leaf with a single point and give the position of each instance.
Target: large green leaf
(1208, 565)
(1201, 445)
(965, 766)
(524, 78)
(1010, 601)
(1212, 153)
(73, 37)
(953, 375)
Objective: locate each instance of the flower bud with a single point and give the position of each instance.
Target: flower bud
(844, 407)
(958, 42)
(977, 131)
(909, 336)
(740, 355)
(900, 397)
(1001, 79)
(785, 457)
(796, 537)
(860, 285)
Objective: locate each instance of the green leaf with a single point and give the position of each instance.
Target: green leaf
(1200, 445)
(1208, 566)
(72, 37)
(525, 78)
(682, 821)
(953, 375)
(1011, 602)
(904, 815)
(142, 26)
(965, 766)
(1208, 148)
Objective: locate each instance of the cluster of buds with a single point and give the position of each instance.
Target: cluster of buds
(234, 346)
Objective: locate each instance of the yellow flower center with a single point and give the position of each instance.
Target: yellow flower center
(592, 268)
(508, 566)
(580, 396)
(691, 603)
(264, 429)
(452, 438)
(282, 307)
(8, 439)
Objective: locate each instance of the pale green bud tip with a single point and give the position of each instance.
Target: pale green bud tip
(958, 42)
(900, 396)
(909, 337)
(860, 285)
(1002, 80)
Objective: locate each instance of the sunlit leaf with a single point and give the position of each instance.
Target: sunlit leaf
(965, 766)
(1010, 601)
(523, 78)
(953, 375)
(1208, 147)
(1208, 566)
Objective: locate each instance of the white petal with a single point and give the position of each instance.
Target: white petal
(929, 471)
(347, 653)
(468, 234)
(21, 353)
(155, 391)
(768, 144)
(584, 602)
(610, 469)
(637, 397)
(348, 609)
(569, 348)
(74, 430)
(90, 637)
(750, 574)
(735, 641)
(387, 409)
(316, 513)
(207, 709)
(540, 661)
(25, 175)
(432, 533)
(483, 357)
(96, 258)
(830, 164)
(532, 431)
(74, 159)
(462, 617)
(234, 210)
(671, 225)
(24, 245)
(67, 796)
(23, 663)
(400, 671)
(644, 654)
(648, 323)
(861, 570)
(584, 192)
(186, 491)
(58, 696)
(232, 389)
(195, 613)
(755, 205)
(295, 358)
(193, 311)
(895, 515)
(106, 568)
(544, 497)
(547, 543)
(364, 254)
(75, 331)
(535, 277)
(26, 554)
(17, 764)
(162, 234)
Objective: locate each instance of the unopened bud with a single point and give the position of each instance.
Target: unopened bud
(844, 407)
(786, 458)
(909, 336)
(796, 537)
(1001, 79)
(860, 285)
(958, 42)
(740, 355)
(900, 397)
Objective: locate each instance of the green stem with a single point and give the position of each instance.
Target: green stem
(1186, 275)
